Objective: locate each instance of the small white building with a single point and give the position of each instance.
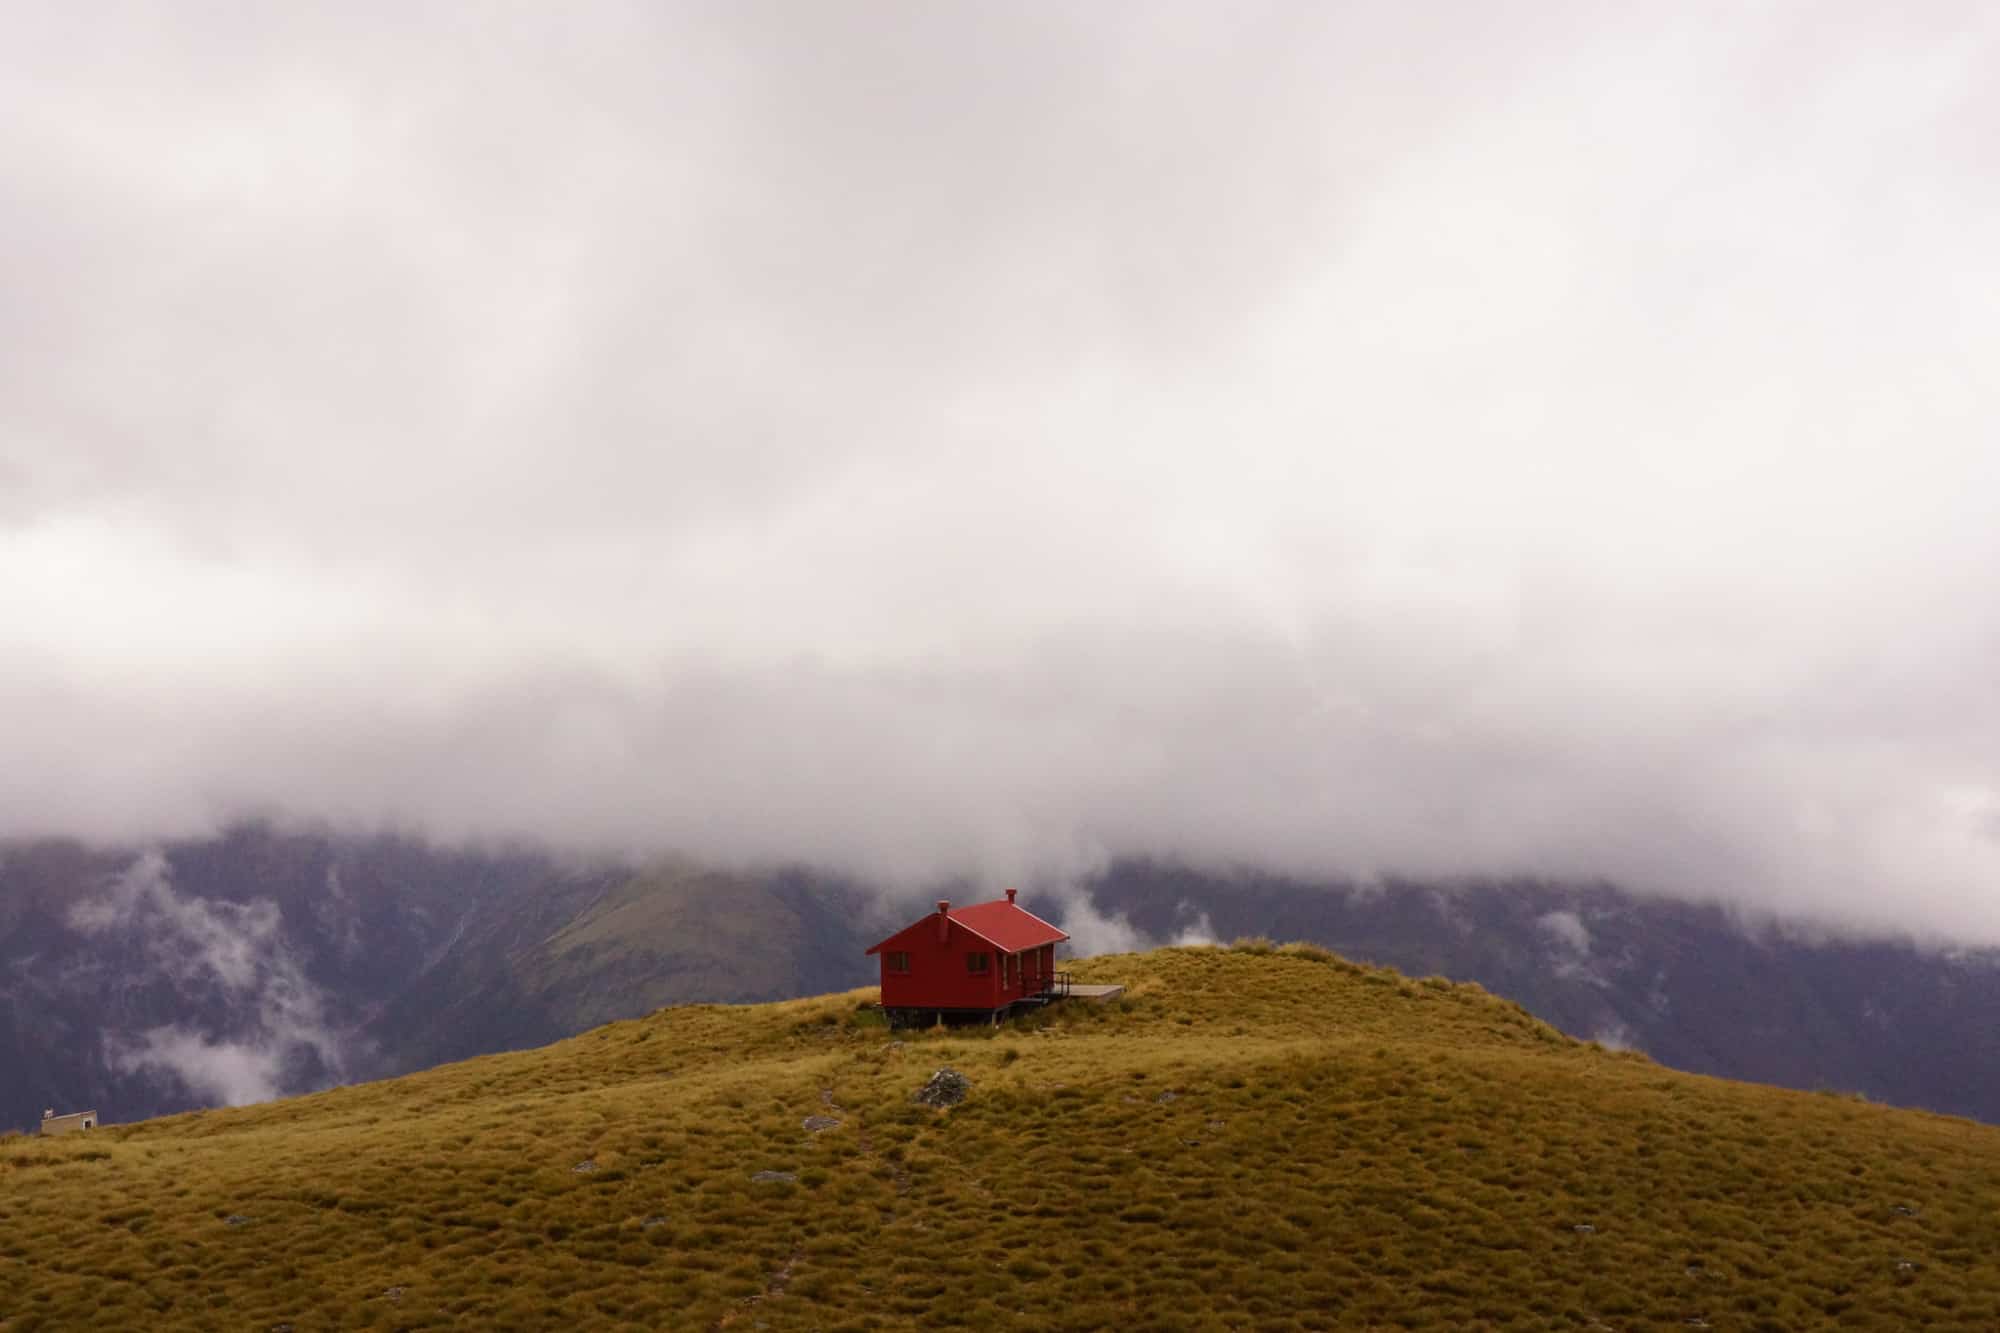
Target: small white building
(68, 1124)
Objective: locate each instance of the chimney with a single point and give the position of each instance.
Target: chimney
(944, 922)
(1010, 895)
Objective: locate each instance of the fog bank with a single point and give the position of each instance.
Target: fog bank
(939, 439)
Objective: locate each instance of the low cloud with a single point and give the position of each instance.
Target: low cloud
(267, 1021)
(1092, 932)
(1196, 931)
(1615, 1036)
(227, 1072)
(963, 440)
(1567, 930)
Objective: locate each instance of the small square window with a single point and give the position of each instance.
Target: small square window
(899, 962)
(978, 962)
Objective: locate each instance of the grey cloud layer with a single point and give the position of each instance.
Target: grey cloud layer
(934, 438)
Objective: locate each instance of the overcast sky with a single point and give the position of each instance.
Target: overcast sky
(926, 438)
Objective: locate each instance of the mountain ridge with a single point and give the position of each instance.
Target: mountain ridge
(265, 961)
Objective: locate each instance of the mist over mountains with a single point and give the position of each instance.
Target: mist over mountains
(261, 962)
(992, 440)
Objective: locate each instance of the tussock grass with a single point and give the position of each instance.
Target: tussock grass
(1257, 1137)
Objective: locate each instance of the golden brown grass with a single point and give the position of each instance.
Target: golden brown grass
(1271, 1138)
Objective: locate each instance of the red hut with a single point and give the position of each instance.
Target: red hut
(974, 962)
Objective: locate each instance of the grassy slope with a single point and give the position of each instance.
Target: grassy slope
(584, 950)
(677, 931)
(1264, 1140)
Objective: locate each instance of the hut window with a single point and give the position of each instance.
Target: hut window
(899, 962)
(977, 962)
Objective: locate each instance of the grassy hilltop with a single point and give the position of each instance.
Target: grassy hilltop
(1253, 1138)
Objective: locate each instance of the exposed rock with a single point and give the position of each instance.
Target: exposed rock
(239, 1220)
(1584, 1229)
(656, 1220)
(774, 1177)
(947, 1087)
(815, 1123)
(583, 1168)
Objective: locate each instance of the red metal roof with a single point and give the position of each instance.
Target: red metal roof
(1002, 924)
(1006, 925)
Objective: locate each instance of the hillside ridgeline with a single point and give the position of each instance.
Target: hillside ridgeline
(1250, 1138)
(262, 962)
